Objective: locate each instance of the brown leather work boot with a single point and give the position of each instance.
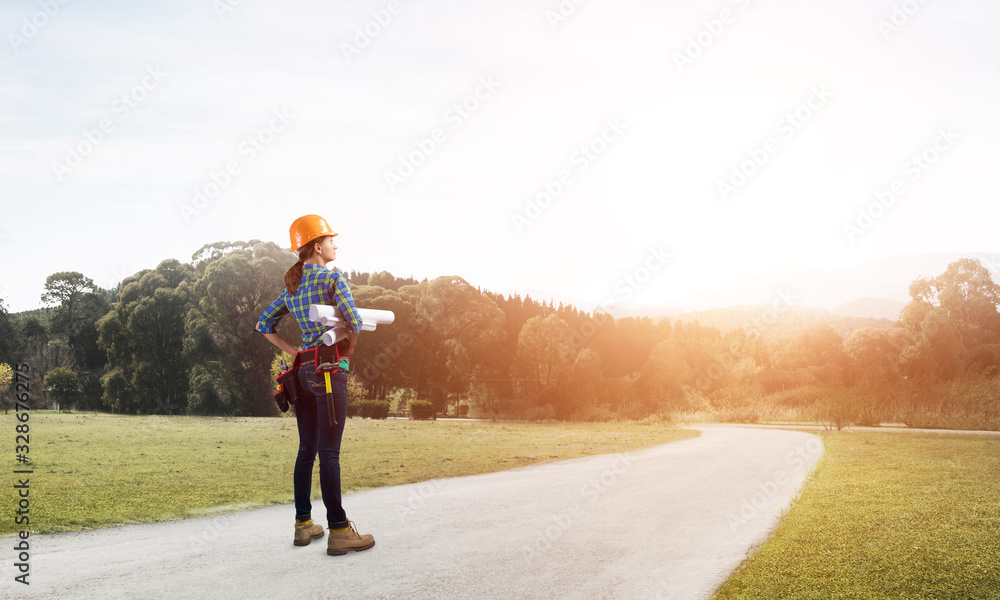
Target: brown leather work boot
(342, 542)
(306, 533)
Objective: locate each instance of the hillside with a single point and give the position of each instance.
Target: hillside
(773, 325)
(877, 289)
(873, 308)
(44, 315)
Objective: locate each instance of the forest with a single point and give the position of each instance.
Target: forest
(180, 339)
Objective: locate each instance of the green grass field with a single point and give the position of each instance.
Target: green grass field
(887, 516)
(93, 470)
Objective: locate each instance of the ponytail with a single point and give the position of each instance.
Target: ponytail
(294, 275)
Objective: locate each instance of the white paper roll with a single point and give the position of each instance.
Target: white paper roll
(332, 336)
(379, 317)
(340, 323)
(327, 315)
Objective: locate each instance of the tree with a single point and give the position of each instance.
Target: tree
(624, 344)
(66, 289)
(6, 377)
(32, 330)
(583, 391)
(949, 320)
(64, 385)
(875, 353)
(545, 353)
(143, 337)
(81, 329)
(665, 375)
(382, 279)
(207, 391)
(9, 338)
(211, 252)
(75, 319)
(388, 358)
(236, 283)
(448, 308)
(817, 346)
(816, 352)
(42, 353)
(459, 371)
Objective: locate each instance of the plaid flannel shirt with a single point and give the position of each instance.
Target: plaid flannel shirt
(318, 286)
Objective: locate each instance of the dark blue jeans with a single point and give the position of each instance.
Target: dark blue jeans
(317, 436)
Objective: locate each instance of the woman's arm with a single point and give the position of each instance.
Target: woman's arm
(352, 338)
(269, 319)
(345, 302)
(280, 342)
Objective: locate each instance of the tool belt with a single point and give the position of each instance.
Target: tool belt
(327, 361)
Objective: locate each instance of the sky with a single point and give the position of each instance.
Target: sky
(591, 151)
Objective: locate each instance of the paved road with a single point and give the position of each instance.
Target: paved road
(883, 429)
(670, 522)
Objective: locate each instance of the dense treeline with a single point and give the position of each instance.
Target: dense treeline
(780, 322)
(180, 338)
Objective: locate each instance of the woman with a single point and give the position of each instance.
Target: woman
(309, 282)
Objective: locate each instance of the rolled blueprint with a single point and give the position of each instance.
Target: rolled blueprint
(328, 315)
(332, 317)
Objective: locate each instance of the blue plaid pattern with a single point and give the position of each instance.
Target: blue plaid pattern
(318, 286)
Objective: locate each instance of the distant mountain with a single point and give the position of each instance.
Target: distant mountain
(540, 295)
(873, 308)
(638, 310)
(866, 295)
(877, 289)
(887, 279)
(778, 324)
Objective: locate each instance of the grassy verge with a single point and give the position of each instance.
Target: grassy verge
(886, 516)
(96, 470)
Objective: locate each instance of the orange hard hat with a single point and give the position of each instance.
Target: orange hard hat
(307, 228)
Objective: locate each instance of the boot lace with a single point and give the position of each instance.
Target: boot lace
(352, 529)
